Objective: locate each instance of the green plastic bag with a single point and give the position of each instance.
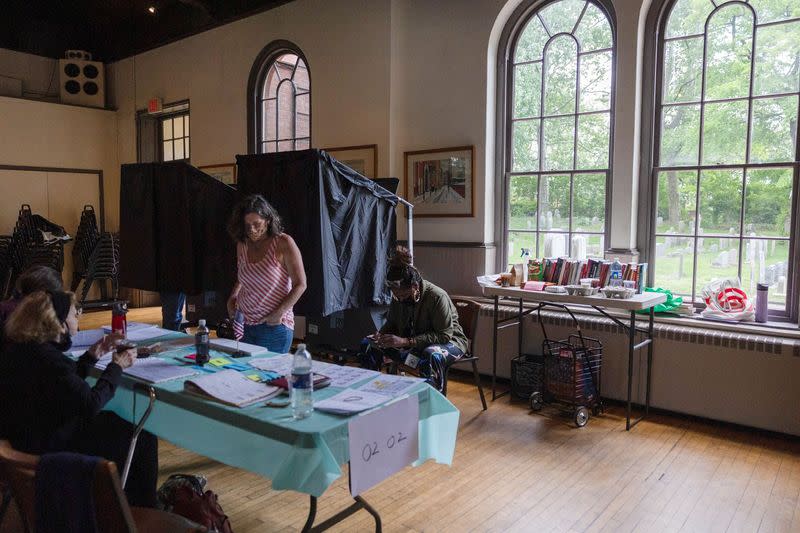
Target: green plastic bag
(672, 303)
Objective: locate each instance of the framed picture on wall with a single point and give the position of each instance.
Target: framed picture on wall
(226, 172)
(440, 182)
(363, 159)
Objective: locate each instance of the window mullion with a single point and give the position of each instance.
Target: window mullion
(542, 92)
(741, 218)
(698, 180)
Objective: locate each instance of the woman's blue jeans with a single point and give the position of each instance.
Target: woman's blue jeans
(276, 339)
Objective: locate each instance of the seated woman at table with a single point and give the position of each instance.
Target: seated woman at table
(36, 278)
(270, 274)
(47, 405)
(421, 329)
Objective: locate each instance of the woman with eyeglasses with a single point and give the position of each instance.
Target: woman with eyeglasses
(270, 274)
(47, 404)
(421, 330)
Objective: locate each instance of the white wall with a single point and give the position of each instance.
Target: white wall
(347, 47)
(44, 134)
(439, 93)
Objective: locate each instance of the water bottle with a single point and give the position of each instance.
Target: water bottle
(762, 301)
(201, 344)
(301, 383)
(119, 320)
(615, 280)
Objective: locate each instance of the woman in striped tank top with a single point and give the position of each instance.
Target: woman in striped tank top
(270, 274)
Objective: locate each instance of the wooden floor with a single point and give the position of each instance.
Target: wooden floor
(518, 471)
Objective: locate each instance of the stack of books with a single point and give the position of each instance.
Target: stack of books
(566, 271)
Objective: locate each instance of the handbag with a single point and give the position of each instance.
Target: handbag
(183, 494)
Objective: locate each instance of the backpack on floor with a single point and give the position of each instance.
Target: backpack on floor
(184, 495)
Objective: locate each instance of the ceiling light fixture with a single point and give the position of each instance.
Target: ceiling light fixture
(151, 10)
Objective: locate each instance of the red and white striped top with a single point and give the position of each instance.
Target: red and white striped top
(264, 285)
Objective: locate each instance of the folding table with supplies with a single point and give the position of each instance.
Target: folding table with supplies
(302, 455)
(638, 302)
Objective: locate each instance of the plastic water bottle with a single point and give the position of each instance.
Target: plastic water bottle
(119, 320)
(201, 343)
(301, 384)
(615, 280)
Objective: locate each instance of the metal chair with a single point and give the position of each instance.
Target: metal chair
(468, 318)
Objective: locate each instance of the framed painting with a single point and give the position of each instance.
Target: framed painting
(440, 182)
(363, 159)
(226, 173)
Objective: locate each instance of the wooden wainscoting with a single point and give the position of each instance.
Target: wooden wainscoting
(454, 266)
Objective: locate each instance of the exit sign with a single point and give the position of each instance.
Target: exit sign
(155, 105)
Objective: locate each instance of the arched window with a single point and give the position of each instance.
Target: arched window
(558, 117)
(725, 150)
(279, 100)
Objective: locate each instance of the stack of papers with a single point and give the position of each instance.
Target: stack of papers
(231, 388)
(131, 326)
(350, 402)
(86, 338)
(280, 364)
(144, 334)
(341, 376)
(152, 369)
(389, 385)
(155, 370)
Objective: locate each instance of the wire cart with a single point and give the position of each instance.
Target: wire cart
(571, 372)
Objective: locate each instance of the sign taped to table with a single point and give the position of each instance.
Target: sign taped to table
(383, 442)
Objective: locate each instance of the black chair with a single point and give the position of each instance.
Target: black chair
(468, 318)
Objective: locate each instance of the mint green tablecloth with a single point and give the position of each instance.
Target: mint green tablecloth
(305, 455)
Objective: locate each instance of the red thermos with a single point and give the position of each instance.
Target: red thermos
(119, 320)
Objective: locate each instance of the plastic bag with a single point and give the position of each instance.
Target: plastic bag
(726, 300)
(673, 302)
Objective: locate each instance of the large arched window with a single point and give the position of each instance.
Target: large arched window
(279, 100)
(558, 117)
(725, 151)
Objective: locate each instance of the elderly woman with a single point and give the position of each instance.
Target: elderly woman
(270, 275)
(421, 330)
(47, 404)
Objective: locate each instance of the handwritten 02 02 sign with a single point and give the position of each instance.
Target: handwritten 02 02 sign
(383, 442)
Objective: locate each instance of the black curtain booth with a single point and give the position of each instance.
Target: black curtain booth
(172, 229)
(343, 223)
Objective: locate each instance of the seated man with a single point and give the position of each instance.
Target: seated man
(421, 329)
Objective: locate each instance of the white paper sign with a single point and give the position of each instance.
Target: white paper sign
(383, 442)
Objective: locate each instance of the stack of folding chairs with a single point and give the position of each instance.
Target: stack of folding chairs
(35, 241)
(86, 239)
(103, 265)
(5, 263)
